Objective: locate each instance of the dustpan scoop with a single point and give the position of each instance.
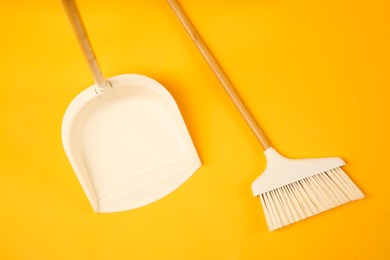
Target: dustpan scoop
(125, 137)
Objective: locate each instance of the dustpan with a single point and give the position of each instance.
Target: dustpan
(125, 138)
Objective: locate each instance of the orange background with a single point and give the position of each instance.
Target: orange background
(315, 74)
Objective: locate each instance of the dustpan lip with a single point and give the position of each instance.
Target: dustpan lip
(88, 95)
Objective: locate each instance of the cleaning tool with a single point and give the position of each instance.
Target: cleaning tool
(124, 136)
(289, 189)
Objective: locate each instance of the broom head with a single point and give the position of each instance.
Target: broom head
(294, 189)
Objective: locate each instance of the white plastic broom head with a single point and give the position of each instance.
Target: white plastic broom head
(294, 189)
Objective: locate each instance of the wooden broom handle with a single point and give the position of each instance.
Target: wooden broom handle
(221, 75)
(75, 20)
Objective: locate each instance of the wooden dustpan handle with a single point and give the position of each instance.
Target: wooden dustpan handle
(75, 20)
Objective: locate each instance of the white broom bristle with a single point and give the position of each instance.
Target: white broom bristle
(307, 197)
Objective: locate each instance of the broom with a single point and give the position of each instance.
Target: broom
(289, 189)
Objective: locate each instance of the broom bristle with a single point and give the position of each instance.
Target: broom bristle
(307, 197)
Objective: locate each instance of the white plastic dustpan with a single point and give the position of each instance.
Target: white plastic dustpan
(125, 137)
(130, 149)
